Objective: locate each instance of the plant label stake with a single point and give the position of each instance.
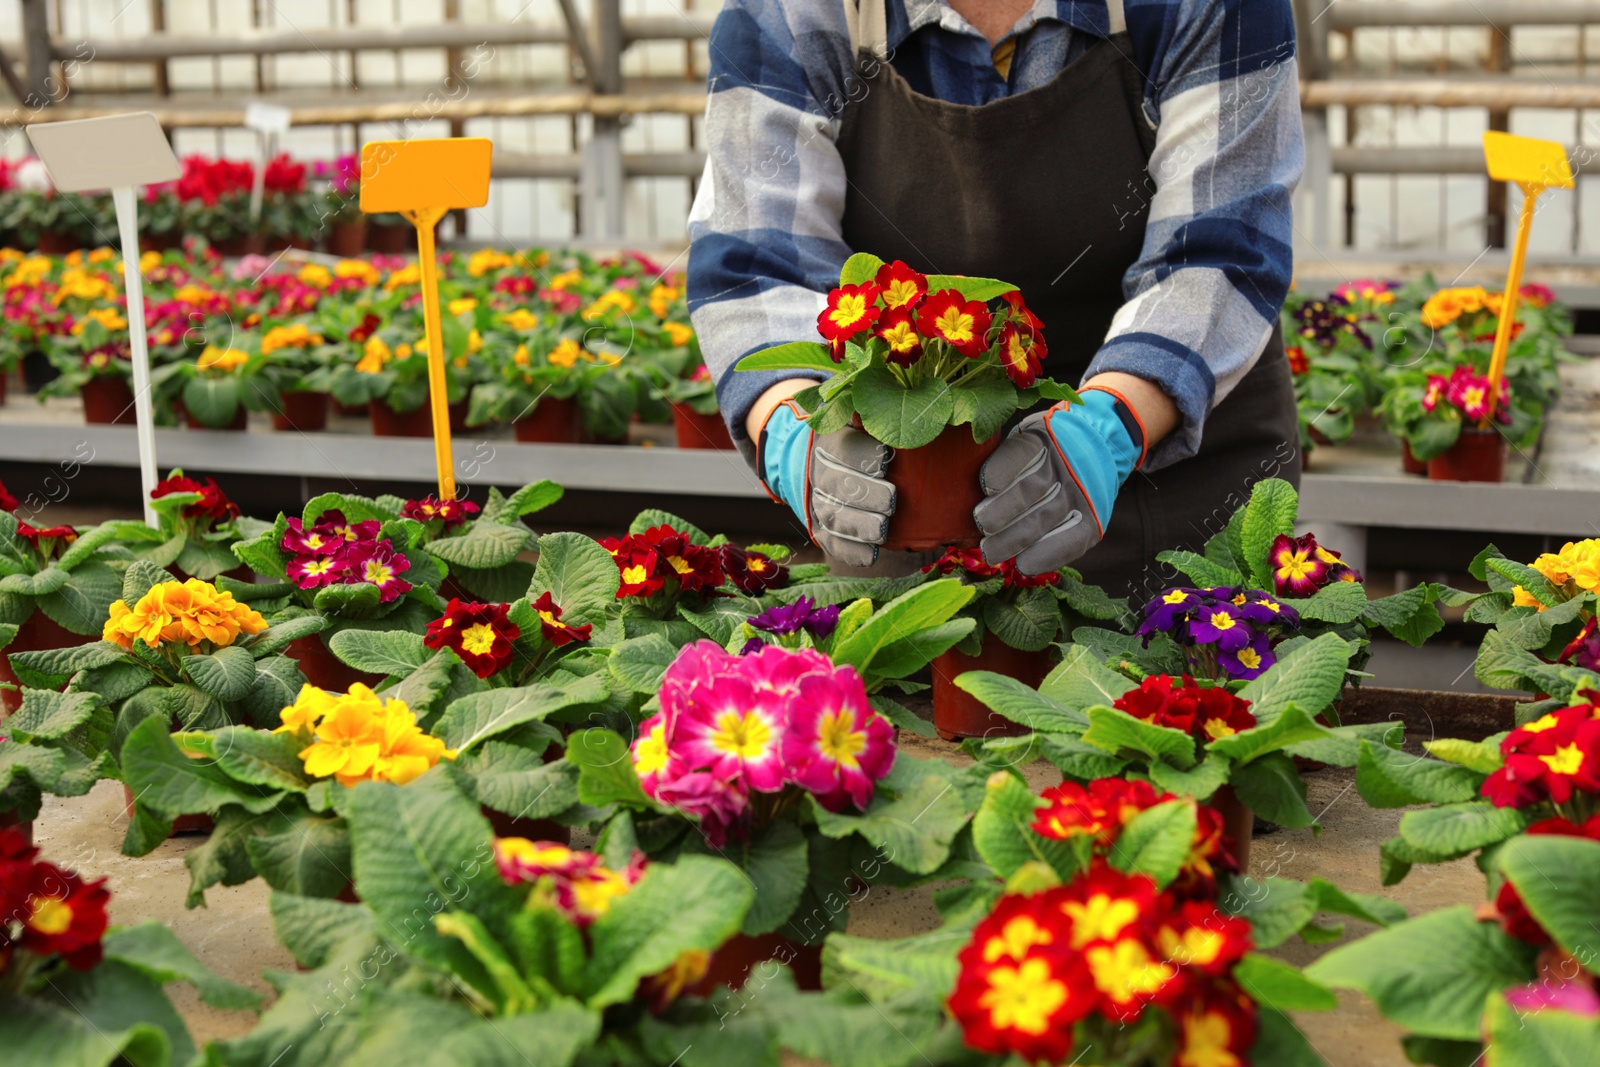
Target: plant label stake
(1535, 166)
(120, 153)
(270, 122)
(422, 181)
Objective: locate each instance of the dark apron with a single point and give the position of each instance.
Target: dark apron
(1048, 189)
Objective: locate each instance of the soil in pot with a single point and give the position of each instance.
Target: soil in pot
(241, 421)
(745, 959)
(323, 669)
(700, 431)
(936, 488)
(107, 402)
(1409, 463)
(37, 633)
(1477, 456)
(347, 239)
(957, 713)
(303, 411)
(199, 823)
(390, 240)
(1238, 825)
(553, 420)
(387, 422)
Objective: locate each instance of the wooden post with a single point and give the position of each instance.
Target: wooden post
(160, 70)
(601, 184)
(1497, 61)
(455, 80)
(36, 52)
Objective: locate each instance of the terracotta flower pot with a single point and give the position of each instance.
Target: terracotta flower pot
(241, 421)
(278, 242)
(160, 242)
(387, 422)
(1409, 463)
(1238, 825)
(197, 823)
(56, 243)
(247, 245)
(743, 958)
(323, 669)
(700, 431)
(458, 416)
(37, 633)
(347, 239)
(553, 420)
(390, 240)
(3, 379)
(957, 713)
(11, 820)
(936, 488)
(303, 411)
(107, 401)
(1477, 456)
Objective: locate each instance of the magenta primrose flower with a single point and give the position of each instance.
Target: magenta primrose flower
(779, 719)
(338, 552)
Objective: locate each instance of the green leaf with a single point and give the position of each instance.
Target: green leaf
(580, 576)
(277, 684)
(902, 416)
(1456, 829)
(980, 289)
(1342, 745)
(535, 496)
(1270, 513)
(485, 545)
(213, 401)
(1388, 778)
(1536, 584)
(639, 663)
(1431, 974)
(279, 636)
(297, 851)
(796, 355)
(920, 609)
(1271, 787)
(1200, 781)
(1081, 681)
(1117, 731)
(258, 757)
(984, 402)
(357, 601)
(517, 781)
(1156, 842)
(47, 716)
(355, 508)
(83, 604)
(1380, 911)
(1002, 833)
(312, 928)
(380, 651)
(1555, 877)
(1291, 727)
(169, 783)
(1539, 1038)
(227, 673)
(154, 950)
(860, 267)
(1280, 1044)
(908, 654)
(1200, 570)
(1409, 615)
(1310, 676)
(776, 865)
(923, 965)
(1011, 699)
(474, 718)
(1280, 986)
(1029, 622)
(112, 1015)
(912, 820)
(605, 770)
(1337, 603)
(1276, 907)
(696, 903)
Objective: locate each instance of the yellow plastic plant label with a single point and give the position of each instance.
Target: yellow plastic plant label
(1527, 161)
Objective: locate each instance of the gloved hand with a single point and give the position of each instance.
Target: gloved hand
(1050, 486)
(834, 483)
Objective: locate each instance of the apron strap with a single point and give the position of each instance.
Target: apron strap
(867, 22)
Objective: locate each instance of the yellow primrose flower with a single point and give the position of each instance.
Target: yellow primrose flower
(520, 357)
(661, 298)
(678, 333)
(30, 271)
(186, 612)
(191, 294)
(474, 342)
(110, 318)
(315, 274)
(404, 351)
(359, 736)
(356, 268)
(308, 709)
(520, 319)
(103, 254)
(461, 305)
(149, 261)
(374, 356)
(565, 354)
(296, 335)
(611, 298)
(223, 359)
(565, 279)
(348, 741)
(485, 260)
(405, 276)
(83, 285)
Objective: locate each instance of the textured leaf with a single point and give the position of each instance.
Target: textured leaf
(580, 576)
(84, 602)
(1118, 732)
(1291, 727)
(299, 852)
(48, 716)
(1276, 907)
(1030, 622)
(278, 636)
(776, 865)
(1455, 829)
(476, 717)
(380, 651)
(517, 781)
(155, 950)
(1271, 512)
(1002, 834)
(1081, 680)
(1310, 676)
(1336, 602)
(912, 820)
(257, 757)
(167, 782)
(111, 1015)
(920, 609)
(1539, 1038)
(923, 965)
(984, 403)
(605, 767)
(483, 546)
(1012, 700)
(1278, 985)
(1388, 778)
(1200, 570)
(640, 663)
(902, 416)
(1156, 842)
(1555, 877)
(227, 673)
(796, 355)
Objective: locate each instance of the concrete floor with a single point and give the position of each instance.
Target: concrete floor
(232, 934)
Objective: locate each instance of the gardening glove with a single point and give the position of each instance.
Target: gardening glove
(834, 483)
(1048, 489)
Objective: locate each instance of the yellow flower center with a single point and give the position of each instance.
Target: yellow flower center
(900, 293)
(635, 575)
(838, 738)
(1100, 918)
(1216, 729)
(478, 638)
(1176, 596)
(744, 735)
(955, 324)
(901, 337)
(1015, 939)
(1250, 658)
(1206, 1042)
(1023, 998)
(549, 619)
(849, 310)
(1472, 396)
(679, 564)
(1566, 760)
(1222, 620)
(378, 573)
(1196, 946)
(1293, 566)
(1125, 970)
(651, 755)
(1541, 724)
(50, 916)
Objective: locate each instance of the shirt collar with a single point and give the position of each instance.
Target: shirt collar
(908, 16)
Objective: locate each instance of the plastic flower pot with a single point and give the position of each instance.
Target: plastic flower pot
(1477, 456)
(107, 401)
(1238, 825)
(56, 243)
(553, 421)
(323, 669)
(936, 488)
(387, 422)
(301, 410)
(743, 957)
(198, 823)
(1409, 463)
(957, 713)
(390, 240)
(36, 634)
(700, 431)
(247, 245)
(12, 820)
(241, 421)
(347, 239)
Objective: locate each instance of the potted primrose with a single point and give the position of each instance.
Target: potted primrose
(932, 366)
(534, 378)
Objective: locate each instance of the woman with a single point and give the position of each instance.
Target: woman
(1128, 164)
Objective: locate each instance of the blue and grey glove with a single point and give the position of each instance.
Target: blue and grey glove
(1050, 486)
(835, 483)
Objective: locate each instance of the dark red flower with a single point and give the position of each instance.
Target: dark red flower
(557, 632)
(369, 325)
(16, 868)
(897, 331)
(971, 561)
(481, 634)
(960, 323)
(1298, 363)
(450, 512)
(212, 503)
(900, 286)
(753, 573)
(7, 501)
(62, 914)
(1548, 759)
(1584, 649)
(48, 541)
(851, 310)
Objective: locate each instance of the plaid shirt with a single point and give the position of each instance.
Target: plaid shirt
(1220, 88)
